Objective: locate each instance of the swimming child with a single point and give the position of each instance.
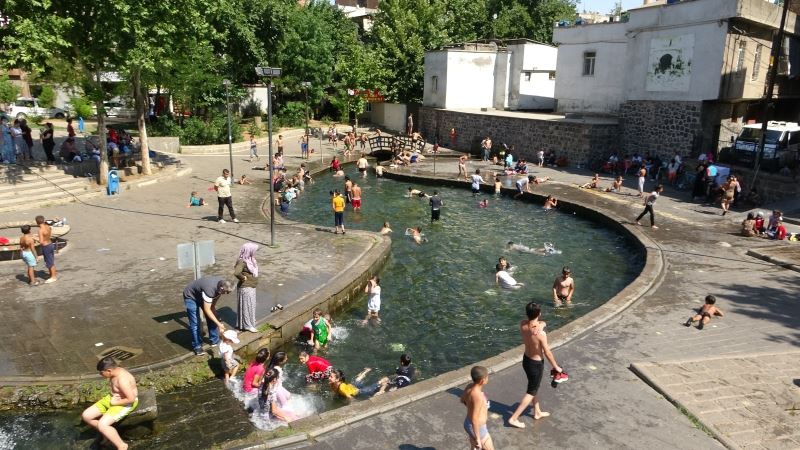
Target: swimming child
(483, 203)
(276, 364)
(416, 193)
(373, 289)
(550, 202)
(705, 312)
(416, 234)
(385, 228)
(339, 385)
(403, 375)
(318, 368)
(477, 410)
(320, 330)
(504, 279)
(269, 399)
(254, 374)
(194, 200)
(498, 186)
(229, 364)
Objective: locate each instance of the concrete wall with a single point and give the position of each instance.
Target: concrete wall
(257, 93)
(660, 128)
(435, 67)
(736, 83)
(470, 79)
(538, 61)
(390, 116)
(502, 69)
(578, 140)
(602, 92)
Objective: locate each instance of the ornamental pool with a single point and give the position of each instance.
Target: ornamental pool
(440, 303)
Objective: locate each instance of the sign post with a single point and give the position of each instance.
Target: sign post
(196, 255)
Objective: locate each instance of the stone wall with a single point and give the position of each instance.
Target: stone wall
(660, 128)
(580, 140)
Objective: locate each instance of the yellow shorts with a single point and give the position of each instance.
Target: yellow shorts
(117, 412)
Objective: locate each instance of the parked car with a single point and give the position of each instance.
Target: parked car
(29, 106)
(781, 145)
(117, 109)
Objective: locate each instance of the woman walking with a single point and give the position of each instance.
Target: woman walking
(648, 206)
(246, 271)
(48, 142)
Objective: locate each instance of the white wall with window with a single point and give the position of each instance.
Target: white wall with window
(530, 84)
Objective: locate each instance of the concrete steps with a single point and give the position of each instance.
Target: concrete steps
(23, 187)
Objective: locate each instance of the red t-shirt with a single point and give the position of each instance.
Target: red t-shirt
(250, 374)
(317, 364)
(780, 233)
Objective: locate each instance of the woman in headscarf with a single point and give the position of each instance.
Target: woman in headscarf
(246, 271)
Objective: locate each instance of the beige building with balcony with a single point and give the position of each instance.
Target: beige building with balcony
(682, 76)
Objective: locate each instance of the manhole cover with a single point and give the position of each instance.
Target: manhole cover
(121, 353)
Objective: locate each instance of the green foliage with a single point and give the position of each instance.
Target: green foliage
(251, 108)
(292, 114)
(36, 120)
(254, 130)
(47, 98)
(8, 90)
(81, 107)
(528, 19)
(198, 131)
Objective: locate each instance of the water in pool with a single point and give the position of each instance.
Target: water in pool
(440, 303)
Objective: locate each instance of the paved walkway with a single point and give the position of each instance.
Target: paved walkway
(118, 279)
(605, 404)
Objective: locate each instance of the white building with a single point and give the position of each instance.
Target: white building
(517, 75)
(685, 74)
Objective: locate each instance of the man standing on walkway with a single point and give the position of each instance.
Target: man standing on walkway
(48, 247)
(486, 148)
(536, 350)
(436, 206)
(410, 125)
(337, 202)
(223, 187)
(202, 294)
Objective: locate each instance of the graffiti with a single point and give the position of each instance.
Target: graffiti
(670, 66)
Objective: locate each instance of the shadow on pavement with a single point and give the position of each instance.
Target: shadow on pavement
(413, 447)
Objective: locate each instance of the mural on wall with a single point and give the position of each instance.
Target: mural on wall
(670, 66)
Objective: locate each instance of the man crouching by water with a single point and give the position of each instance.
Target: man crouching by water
(113, 407)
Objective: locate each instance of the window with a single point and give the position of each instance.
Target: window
(527, 76)
(552, 75)
(434, 84)
(588, 63)
(740, 56)
(756, 62)
(368, 108)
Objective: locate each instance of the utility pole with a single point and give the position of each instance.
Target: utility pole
(269, 73)
(774, 60)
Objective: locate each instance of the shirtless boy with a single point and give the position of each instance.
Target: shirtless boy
(362, 165)
(563, 287)
(616, 185)
(48, 247)
(477, 410)
(356, 201)
(113, 407)
(28, 251)
(416, 234)
(705, 312)
(536, 350)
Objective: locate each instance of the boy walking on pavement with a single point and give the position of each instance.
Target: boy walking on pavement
(27, 248)
(48, 248)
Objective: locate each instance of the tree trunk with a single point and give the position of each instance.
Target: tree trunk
(101, 136)
(141, 114)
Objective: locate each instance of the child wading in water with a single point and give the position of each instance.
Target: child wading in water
(704, 313)
(477, 410)
(229, 364)
(373, 289)
(321, 330)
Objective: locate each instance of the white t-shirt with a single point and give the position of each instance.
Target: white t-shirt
(506, 280)
(223, 186)
(374, 302)
(540, 154)
(476, 181)
(362, 163)
(225, 348)
(652, 198)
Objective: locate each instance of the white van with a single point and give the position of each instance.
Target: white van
(29, 106)
(780, 144)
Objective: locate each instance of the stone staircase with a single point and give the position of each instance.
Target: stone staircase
(26, 186)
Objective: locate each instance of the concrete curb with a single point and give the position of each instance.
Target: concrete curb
(642, 371)
(238, 147)
(777, 261)
(651, 275)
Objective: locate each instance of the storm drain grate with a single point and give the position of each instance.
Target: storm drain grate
(120, 353)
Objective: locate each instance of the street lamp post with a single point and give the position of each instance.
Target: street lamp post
(306, 85)
(269, 73)
(227, 84)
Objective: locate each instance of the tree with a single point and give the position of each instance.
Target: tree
(8, 90)
(402, 32)
(72, 38)
(47, 98)
(532, 19)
